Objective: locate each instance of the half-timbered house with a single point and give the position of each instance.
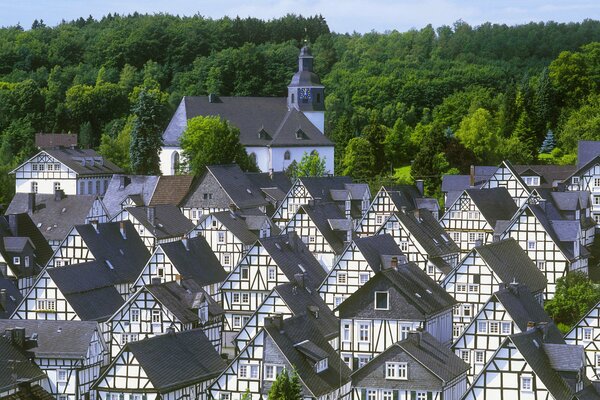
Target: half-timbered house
(157, 224)
(587, 175)
(352, 198)
(72, 170)
(185, 259)
(166, 367)
(362, 259)
(55, 215)
(484, 271)
(270, 262)
(423, 240)
(394, 199)
(294, 344)
(417, 367)
(553, 243)
(475, 215)
(506, 176)
(71, 353)
(586, 333)
(128, 191)
(535, 364)
(510, 310)
(274, 185)
(395, 301)
(325, 230)
(288, 300)
(454, 185)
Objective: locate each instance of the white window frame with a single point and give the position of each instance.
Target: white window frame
(339, 280)
(362, 276)
(505, 328)
(226, 259)
(58, 375)
(321, 365)
(526, 383)
(387, 300)
(482, 326)
(396, 371)
(479, 357)
(346, 332)
(16, 260)
(245, 273)
(271, 273)
(531, 245)
(588, 334)
(220, 237)
(134, 314)
(156, 316)
(465, 355)
(362, 328)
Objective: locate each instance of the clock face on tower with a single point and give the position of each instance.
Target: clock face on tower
(305, 94)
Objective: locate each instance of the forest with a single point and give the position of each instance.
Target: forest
(400, 105)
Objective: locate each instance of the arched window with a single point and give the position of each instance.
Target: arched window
(252, 157)
(176, 163)
(286, 155)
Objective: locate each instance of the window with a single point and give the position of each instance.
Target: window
(160, 272)
(337, 300)
(466, 310)
(541, 265)
(17, 260)
(387, 395)
(237, 321)
(479, 356)
(532, 180)
(226, 259)
(473, 288)
(321, 365)
(456, 330)
(97, 187)
(363, 277)
(287, 155)
(526, 383)
(221, 237)
(464, 355)
(312, 239)
(481, 326)
(89, 187)
(342, 278)
(214, 223)
(494, 327)
(596, 200)
(472, 215)
(271, 371)
(456, 236)
(404, 247)
(371, 394)
(254, 372)
(575, 180)
(379, 219)
(597, 182)
(271, 273)
(587, 334)
(245, 298)
(128, 337)
(455, 215)
(243, 371)
(34, 167)
(430, 269)
(34, 187)
(421, 396)
(46, 305)
(61, 375)
(461, 287)
(364, 332)
(382, 300)
(26, 261)
(235, 298)
(194, 214)
(346, 332)
(505, 326)
(597, 360)
(156, 316)
(404, 329)
(249, 371)
(245, 273)
(531, 245)
(134, 315)
(396, 370)
(472, 237)
(207, 196)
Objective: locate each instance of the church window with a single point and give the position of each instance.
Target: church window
(176, 162)
(286, 155)
(253, 157)
(293, 98)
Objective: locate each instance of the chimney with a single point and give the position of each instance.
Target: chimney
(170, 330)
(420, 184)
(276, 321)
(213, 98)
(472, 176)
(59, 194)
(3, 299)
(94, 223)
(314, 311)
(151, 215)
(13, 224)
(3, 270)
(415, 336)
(31, 203)
(542, 204)
(530, 325)
(299, 279)
(416, 213)
(185, 243)
(394, 263)
(292, 240)
(122, 229)
(178, 279)
(18, 337)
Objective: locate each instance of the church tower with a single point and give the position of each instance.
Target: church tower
(305, 92)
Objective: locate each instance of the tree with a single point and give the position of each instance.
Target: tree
(286, 387)
(575, 295)
(549, 142)
(212, 140)
(359, 160)
(115, 147)
(478, 132)
(310, 165)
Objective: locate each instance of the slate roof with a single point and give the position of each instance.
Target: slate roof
(73, 158)
(199, 295)
(561, 233)
(176, 360)
(169, 221)
(413, 295)
(321, 214)
(293, 257)
(549, 174)
(122, 186)
(458, 183)
(410, 197)
(36, 393)
(494, 204)
(54, 218)
(587, 150)
(171, 189)
(56, 339)
(427, 351)
(14, 360)
(53, 140)
(375, 249)
(296, 330)
(12, 292)
(512, 264)
(236, 224)
(250, 115)
(176, 299)
(127, 255)
(320, 187)
(522, 307)
(196, 261)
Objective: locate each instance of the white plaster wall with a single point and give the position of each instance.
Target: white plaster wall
(166, 160)
(263, 157)
(296, 153)
(46, 186)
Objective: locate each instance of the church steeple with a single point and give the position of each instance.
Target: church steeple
(305, 91)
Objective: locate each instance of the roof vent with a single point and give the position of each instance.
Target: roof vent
(213, 98)
(109, 264)
(249, 191)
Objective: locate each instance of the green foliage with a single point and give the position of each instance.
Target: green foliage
(582, 124)
(575, 295)
(549, 142)
(478, 132)
(359, 160)
(310, 165)
(211, 140)
(286, 387)
(115, 146)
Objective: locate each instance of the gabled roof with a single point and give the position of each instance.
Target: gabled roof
(17, 230)
(424, 349)
(409, 196)
(293, 257)
(413, 295)
(271, 183)
(320, 187)
(378, 250)
(194, 259)
(511, 264)
(250, 115)
(54, 218)
(587, 151)
(549, 174)
(176, 360)
(53, 140)
(458, 183)
(299, 329)
(13, 297)
(128, 254)
(171, 189)
(522, 307)
(120, 187)
(176, 299)
(321, 214)
(15, 361)
(236, 224)
(494, 204)
(83, 161)
(57, 339)
(169, 221)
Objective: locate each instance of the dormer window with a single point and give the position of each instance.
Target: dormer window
(382, 301)
(300, 134)
(321, 366)
(17, 260)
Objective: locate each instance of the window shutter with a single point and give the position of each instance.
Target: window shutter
(429, 396)
(363, 394)
(396, 394)
(413, 395)
(121, 396)
(354, 363)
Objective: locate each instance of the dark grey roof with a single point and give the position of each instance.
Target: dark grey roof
(200, 295)
(543, 213)
(14, 361)
(522, 307)
(320, 214)
(375, 249)
(512, 264)
(236, 224)
(56, 339)
(13, 297)
(196, 261)
(549, 174)
(176, 360)
(494, 204)
(271, 181)
(176, 299)
(413, 295)
(128, 254)
(250, 115)
(89, 288)
(292, 257)
(54, 218)
(169, 221)
(320, 187)
(407, 196)
(85, 161)
(458, 183)
(122, 186)
(587, 150)
(299, 329)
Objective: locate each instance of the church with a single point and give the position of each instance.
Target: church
(274, 130)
